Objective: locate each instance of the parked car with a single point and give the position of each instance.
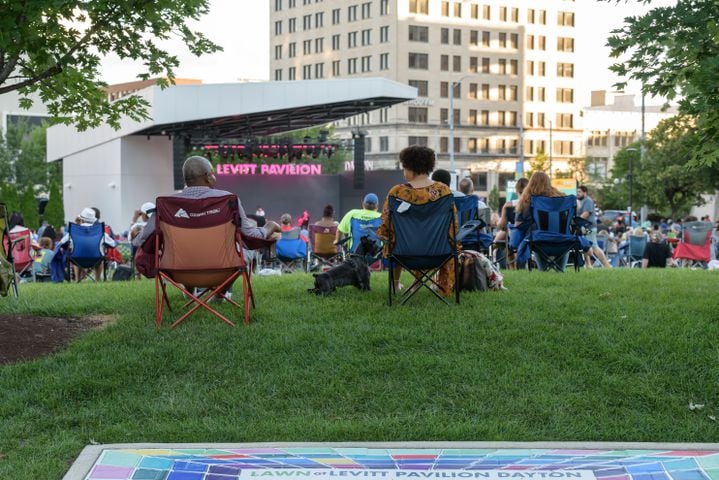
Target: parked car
(608, 216)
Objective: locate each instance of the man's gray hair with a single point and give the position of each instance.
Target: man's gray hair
(195, 167)
(466, 185)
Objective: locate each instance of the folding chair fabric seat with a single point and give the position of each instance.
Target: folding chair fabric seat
(422, 244)
(551, 235)
(322, 248)
(87, 246)
(695, 244)
(8, 277)
(198, 245)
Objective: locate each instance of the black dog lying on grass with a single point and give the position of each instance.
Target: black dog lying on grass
(351, 272)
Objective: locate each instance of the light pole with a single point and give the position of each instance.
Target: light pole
(451, 119)
(630, 177)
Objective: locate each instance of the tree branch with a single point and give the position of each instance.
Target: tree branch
(54, 70)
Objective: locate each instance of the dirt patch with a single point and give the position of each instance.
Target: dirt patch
(25, 337)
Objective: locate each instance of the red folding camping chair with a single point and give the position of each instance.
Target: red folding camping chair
(694, 249)
(8, 279)
(22, 249)
(198, 246)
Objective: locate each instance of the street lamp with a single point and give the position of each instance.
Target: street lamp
(630, 177)
(451, 119)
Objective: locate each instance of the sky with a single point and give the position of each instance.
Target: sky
(241, 27)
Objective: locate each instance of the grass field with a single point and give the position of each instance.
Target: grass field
(596, 355)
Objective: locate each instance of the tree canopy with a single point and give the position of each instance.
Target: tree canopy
(662, 180)
(674, 52)
(54, 48)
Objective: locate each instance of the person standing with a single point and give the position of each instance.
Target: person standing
(585, 210)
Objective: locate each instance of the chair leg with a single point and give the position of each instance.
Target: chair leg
(391, 283)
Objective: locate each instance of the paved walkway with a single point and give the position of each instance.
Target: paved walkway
(399, 461)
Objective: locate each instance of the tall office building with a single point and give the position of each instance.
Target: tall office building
(508, 64)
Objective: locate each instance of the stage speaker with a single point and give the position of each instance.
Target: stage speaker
(359, 145)
(180, 146)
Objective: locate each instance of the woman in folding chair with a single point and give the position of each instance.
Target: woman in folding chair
(418, 162)
(539, 185)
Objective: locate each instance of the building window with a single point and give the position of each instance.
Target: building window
(443, 89)
(443, 144)
(278, 74)
(485, 39)
(383, 144)
(541, 69)
(565, 44)
(292, 50)
(384, 61)
(457, 36)
(420, 141)
(278, 5)
(502, 14)
(473, 64)
(457, 9)
(351, 66)
(319, 70)
(502, 40)
(541, 97)
(444, 36)
(530, 15)
(501, 92)
(292, 25)
(529, 94)
(474, 11)
(352, 39)
(542, 42)
(472, 117)
(484, 118)
(306, 22)
(367, 63)
(457, 63)
(366, 10)
(352, 13)
(366, 37)
(530, 42)
(515, 14)
(278, 27)
(502, 64)
(384, 7)
(445, 9)
(307, 47)
(422, 87)
(542, 17)
(514, 40)
(319, 19)
(336, 41)
(417, 115)
(485, 65)
(565, 120)
(484, 92)
(278, 52)
(565, 95)
(418, 34)
(336, 68)
(419, 61)
(565, 19)
(384, 34)
(565, 70)
(319, 45)
(336, 16)
(513, 120)
(474, 38)
(444, 63)
(306, 72)
(419, 6)
(512, 93)
(486, 12)
(291, 3)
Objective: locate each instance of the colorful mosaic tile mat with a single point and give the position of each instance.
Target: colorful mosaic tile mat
(403, 464)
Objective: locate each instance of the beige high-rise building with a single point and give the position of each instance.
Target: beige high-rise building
(511, 62)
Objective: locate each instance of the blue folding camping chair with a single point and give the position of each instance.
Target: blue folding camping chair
(422, 244)
(552, 235)
(363, 240)
(291, 251)
(87, 249)
(472, 225)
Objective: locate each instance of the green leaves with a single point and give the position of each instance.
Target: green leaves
(674, 52)
(54, 49)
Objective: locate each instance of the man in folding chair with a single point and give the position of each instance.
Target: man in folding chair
(195, 201)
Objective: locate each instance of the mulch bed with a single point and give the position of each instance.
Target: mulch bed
(25, 337)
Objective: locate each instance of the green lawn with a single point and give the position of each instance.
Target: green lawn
(596, 355)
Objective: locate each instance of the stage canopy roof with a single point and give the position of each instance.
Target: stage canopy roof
(215, 112)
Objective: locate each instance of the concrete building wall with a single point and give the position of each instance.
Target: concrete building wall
(521, 33)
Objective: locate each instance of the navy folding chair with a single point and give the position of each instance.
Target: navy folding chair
(422, 244)
(87, 249)
(472, 223)
(552, 236)
(635, 250)
(363, 240)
